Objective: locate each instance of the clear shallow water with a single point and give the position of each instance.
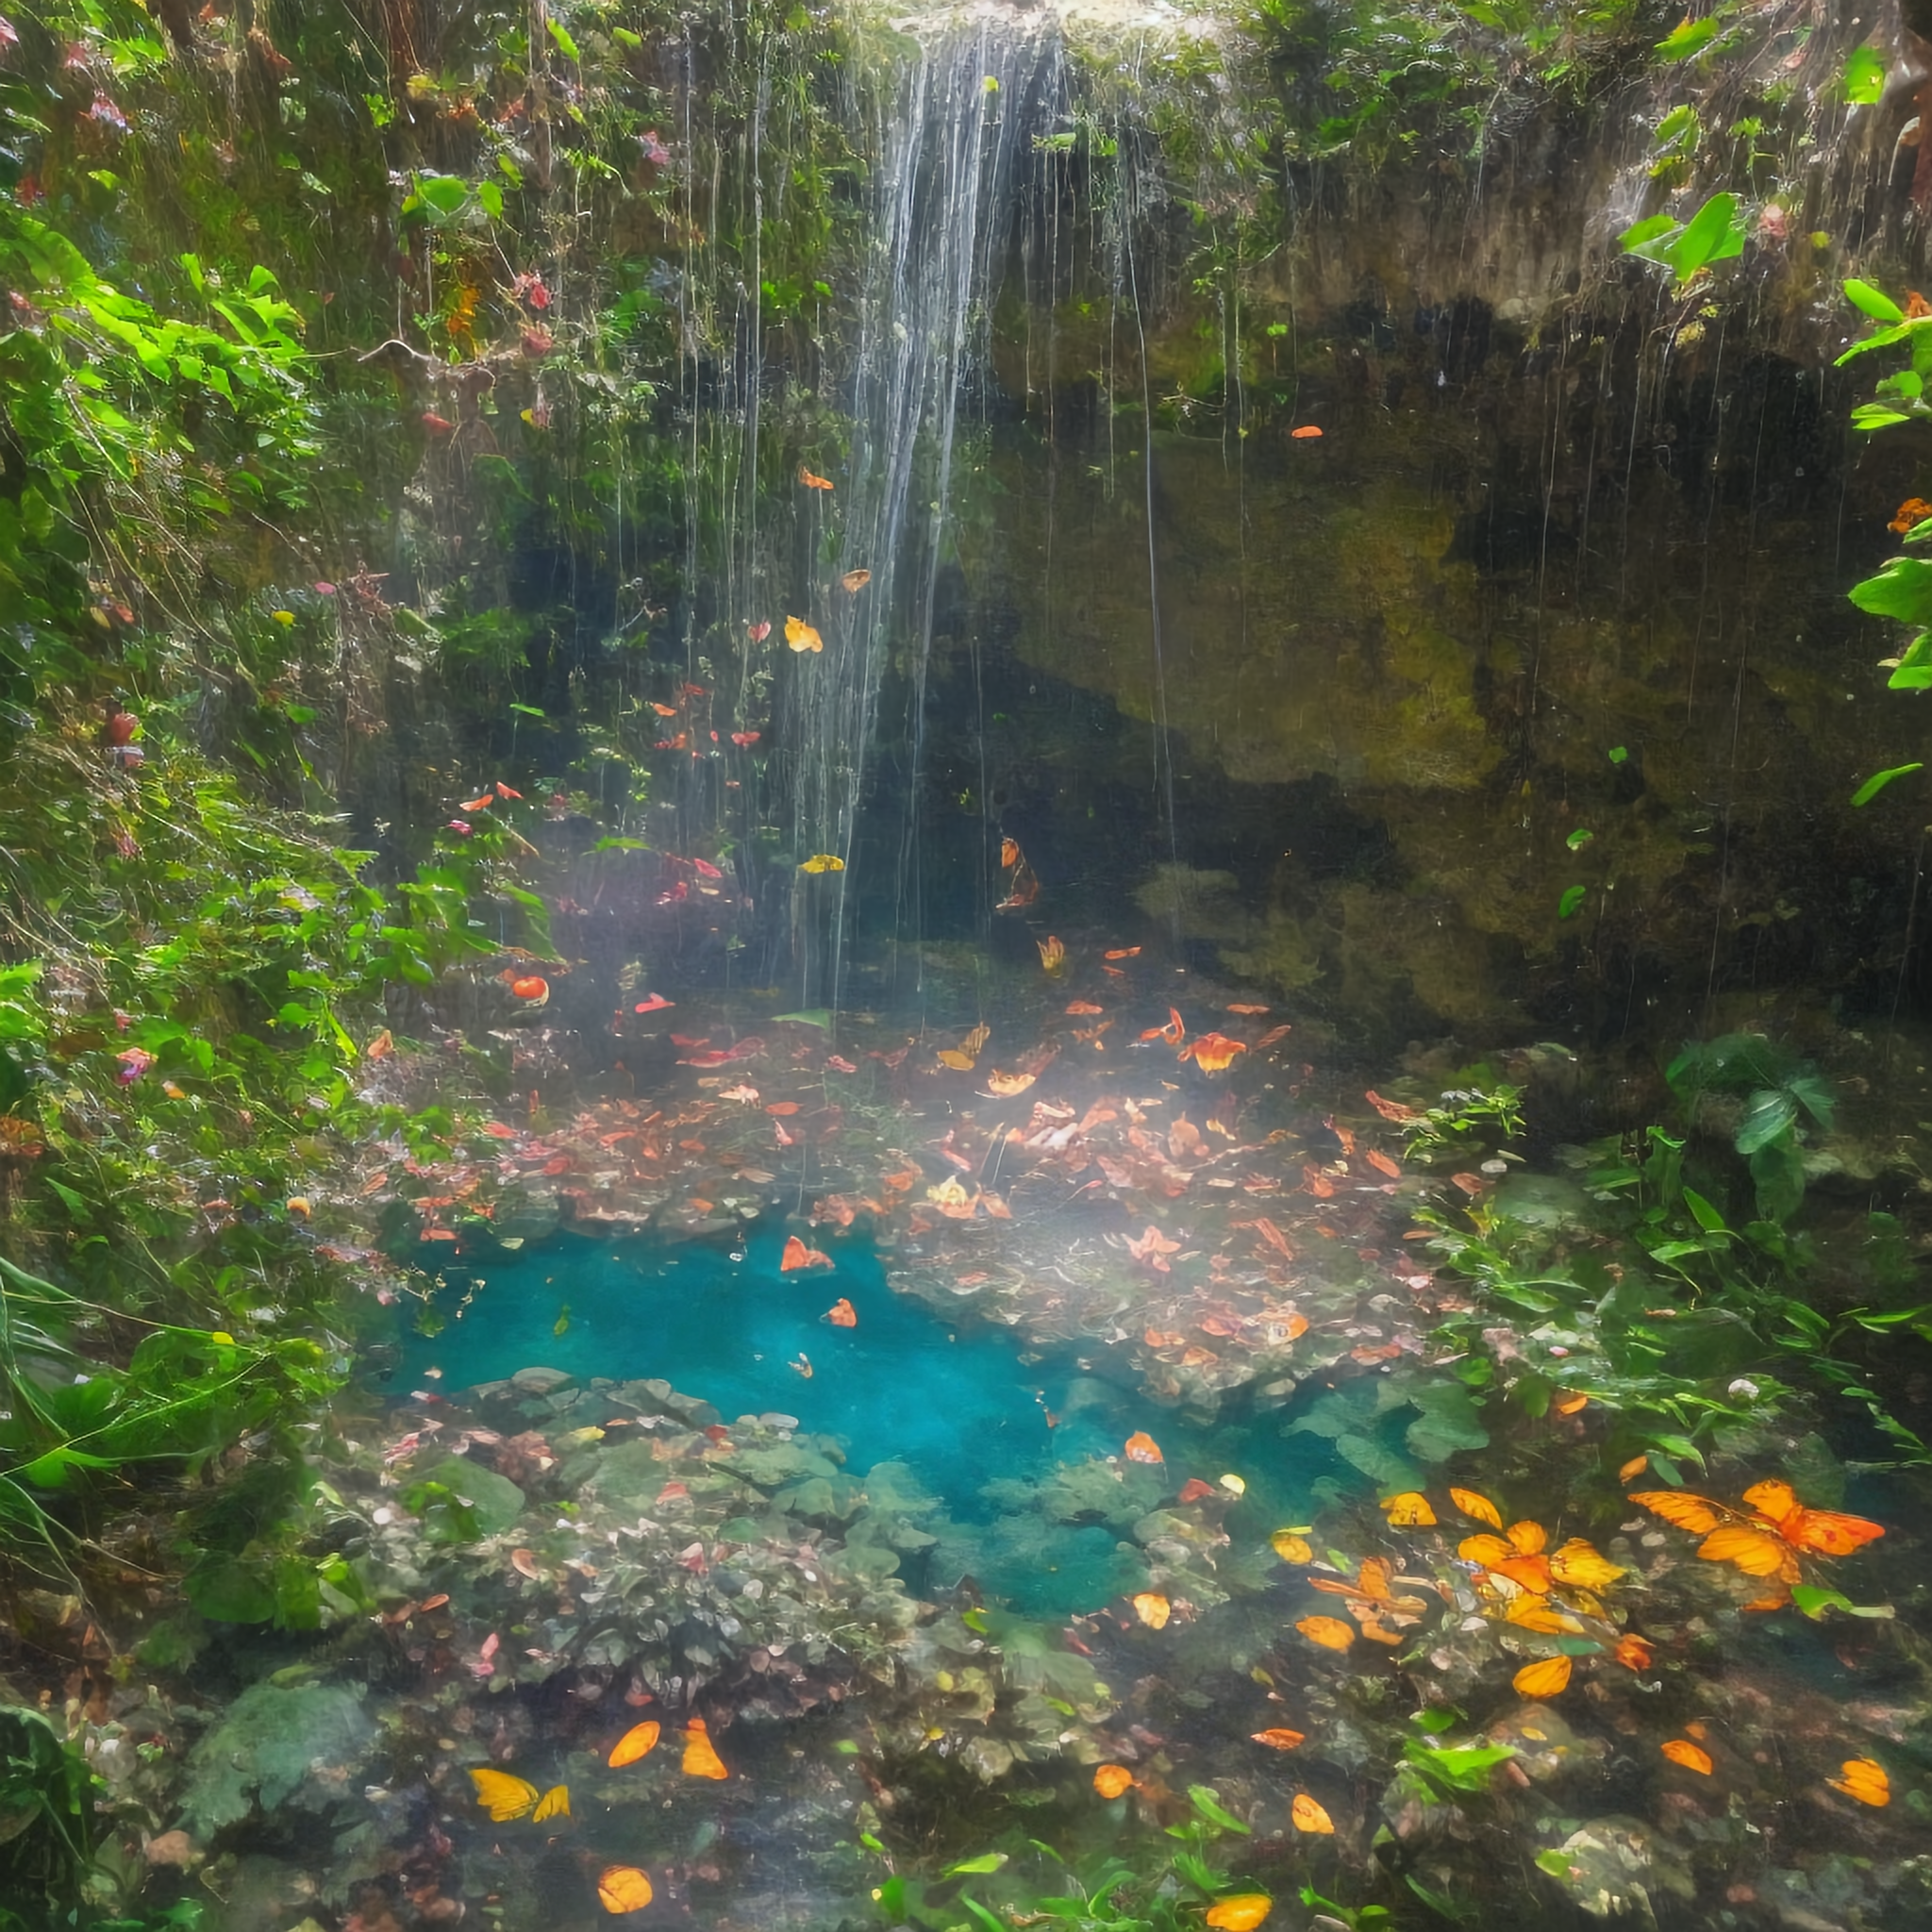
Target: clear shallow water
(964, 1405)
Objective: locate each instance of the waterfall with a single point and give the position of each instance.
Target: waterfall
(954, 142)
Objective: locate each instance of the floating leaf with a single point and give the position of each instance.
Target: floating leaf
(639, 1741)
(701, 1759)
(1241, 1911)
(1310, 1817)
(1410, 1510)
(1477, 1507)
(623, 1888)
(1331, 1633)
(1545, 1679)
(1682, 1751)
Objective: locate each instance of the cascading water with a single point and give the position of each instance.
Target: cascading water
(954, 139)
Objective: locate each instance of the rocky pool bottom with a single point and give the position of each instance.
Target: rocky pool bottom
(1381, 1631)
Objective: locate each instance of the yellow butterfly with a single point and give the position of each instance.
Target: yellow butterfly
(506, 1797)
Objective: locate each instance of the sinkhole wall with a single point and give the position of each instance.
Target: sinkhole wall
(1556, 599)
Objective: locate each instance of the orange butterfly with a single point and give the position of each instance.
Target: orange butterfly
(1142, 1447)
(1520, 1558)
(1153, 1609)
(1278, 1739)
(1110, 1780)
(856, 580)
(812, 482)
(1764, 1544)
(1681, 1751)
(801, 635)
(798, 1256)
(1212, 1051)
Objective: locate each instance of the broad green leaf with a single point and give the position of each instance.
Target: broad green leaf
(1874, 301)
(565, 45)
(1705, 1216)
(987, 1862)
(1880, 780)
(442, 194)
(1914, 669)
(1901, 590)
(1713, 234)
(1768, 1115)
(1571, 901)
(1689, 37)
(1863, 80)
(1638, 239)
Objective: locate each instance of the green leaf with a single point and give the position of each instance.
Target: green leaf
(565, 45)
(1914, 669)
(1903, 590)
(1713, 234)
(1639, 237)
(442, 194)
(1689, 37)
(1863, 80)
(1208, 1803)
(987, 1862)
(1571, 901)
(1579, 839)
(1705, 1216)
(812, 1016)
(1874, 301)
(1619, 754)
(1680, 121)
(1880, 780)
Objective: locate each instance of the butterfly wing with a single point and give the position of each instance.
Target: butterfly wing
(1681, 1508)
(1527, 1538)
(503, 1796)
(1830, 1534)
(1865, 1780)
(1579, 1565)
(1755, 1552)
(554, 1803)
(1681, 1751)
(1824, 1531)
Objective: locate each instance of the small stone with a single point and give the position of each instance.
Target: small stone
(538, 1380)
